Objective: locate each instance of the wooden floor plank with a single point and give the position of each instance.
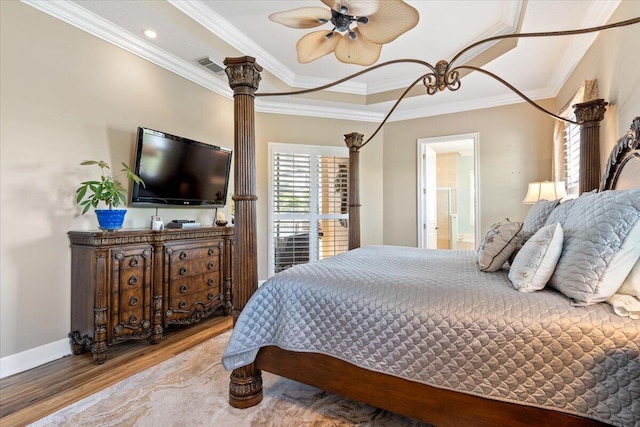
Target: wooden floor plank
(38, 392)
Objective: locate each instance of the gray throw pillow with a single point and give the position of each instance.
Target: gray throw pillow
(538, 215)
(534, 221)
(601, 244)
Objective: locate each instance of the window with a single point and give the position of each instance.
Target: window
(566, 140)
(308, 204)
(572, 157)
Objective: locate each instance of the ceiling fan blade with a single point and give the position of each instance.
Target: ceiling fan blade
(354, 7)
(392, 19)
(315, 45)
(358, 51)
(304, 17)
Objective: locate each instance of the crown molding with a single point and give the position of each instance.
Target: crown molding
(81, 18)
(469, 105)
(598, 13)
(327, 112)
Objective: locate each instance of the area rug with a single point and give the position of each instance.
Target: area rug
(192, 389)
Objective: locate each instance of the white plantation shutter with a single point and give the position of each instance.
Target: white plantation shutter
(572, 156)
(308, 204)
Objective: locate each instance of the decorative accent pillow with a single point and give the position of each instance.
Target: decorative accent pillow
(534, 264)
(601, 244)
(498, 244)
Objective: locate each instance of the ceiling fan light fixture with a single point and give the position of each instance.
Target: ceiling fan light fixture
(303, 17)
(375, 22)
(358, 51)
(392, 19)
(316, 45)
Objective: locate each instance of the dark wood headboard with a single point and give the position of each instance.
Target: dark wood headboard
(623, 167)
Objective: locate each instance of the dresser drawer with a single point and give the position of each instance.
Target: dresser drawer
(191, 307)
(194, 267)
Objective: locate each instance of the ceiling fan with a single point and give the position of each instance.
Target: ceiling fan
(360, 28)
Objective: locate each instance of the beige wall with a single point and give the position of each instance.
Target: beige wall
(514, 149)
(614, 61)
(68, 96)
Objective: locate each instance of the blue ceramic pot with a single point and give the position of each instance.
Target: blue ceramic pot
(110, 219)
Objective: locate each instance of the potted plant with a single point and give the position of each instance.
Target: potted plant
(108, 190)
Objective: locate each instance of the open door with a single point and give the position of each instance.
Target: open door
(449, 162)
(429, 239)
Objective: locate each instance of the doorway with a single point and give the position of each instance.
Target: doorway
(447, 192)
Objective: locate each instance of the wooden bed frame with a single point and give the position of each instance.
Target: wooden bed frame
(405, 397)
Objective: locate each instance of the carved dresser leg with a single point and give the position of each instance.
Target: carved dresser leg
(245, 387)
(99, 347)
(79, 344)
(156, 334)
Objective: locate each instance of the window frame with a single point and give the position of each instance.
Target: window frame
(315, 152)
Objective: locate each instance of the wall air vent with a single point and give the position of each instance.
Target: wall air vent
(209, 64)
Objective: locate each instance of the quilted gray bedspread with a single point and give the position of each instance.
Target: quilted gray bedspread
(434, 317)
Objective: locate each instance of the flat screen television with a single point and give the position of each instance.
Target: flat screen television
(179, 171)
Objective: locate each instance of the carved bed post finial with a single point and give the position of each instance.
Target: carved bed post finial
(589, 114)
(245, 387)
(354, 142)
(244, 76)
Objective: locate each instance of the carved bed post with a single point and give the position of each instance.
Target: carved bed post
(589, 114)
(245, 387)
(354, 142)
(244, 76)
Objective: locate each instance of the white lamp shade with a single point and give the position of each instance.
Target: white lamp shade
(546, 190)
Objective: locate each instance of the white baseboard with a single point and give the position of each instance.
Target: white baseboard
(33, 357)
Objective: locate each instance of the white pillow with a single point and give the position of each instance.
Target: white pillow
(498, 244)
(631, 285)
(535, 262)
(625, 305)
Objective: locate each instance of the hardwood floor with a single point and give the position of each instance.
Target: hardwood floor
(33, 394)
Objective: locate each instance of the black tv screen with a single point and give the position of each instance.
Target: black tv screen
(179, 171)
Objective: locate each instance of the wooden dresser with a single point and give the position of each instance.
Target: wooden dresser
(131, 284)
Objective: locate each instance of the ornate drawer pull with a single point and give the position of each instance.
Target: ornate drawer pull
(133, 262)
(210, 296)
(133, 280)
(118, 329)
(210, 282)
(146, 324)
(183, 289)
(211, 265)
(133, 319)
(182, 304)
(133, 301)
(211, 251)
(183, 255)
(183, 271)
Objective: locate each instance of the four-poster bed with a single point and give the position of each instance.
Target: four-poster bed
(417, 399)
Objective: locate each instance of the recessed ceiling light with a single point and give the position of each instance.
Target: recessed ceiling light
(150, 34)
